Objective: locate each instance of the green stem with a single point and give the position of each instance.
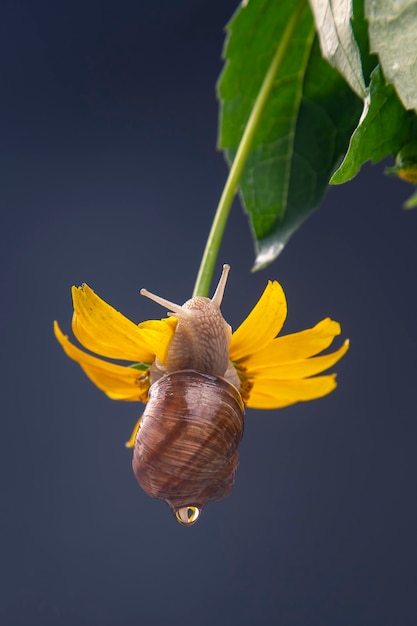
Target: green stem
(208, 261)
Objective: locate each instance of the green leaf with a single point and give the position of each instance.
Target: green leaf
(411, 203)
(406, 168)
(305, 127)
(337, 41)
(393, 37)
(405, 163)
(360, 29)
(384, 128)
(142, 367)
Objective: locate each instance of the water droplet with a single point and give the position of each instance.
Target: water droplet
(187, 515)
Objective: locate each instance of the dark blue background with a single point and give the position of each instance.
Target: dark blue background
(110, 176)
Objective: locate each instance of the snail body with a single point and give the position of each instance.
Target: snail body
(186, 449)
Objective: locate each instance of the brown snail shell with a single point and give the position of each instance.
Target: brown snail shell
(186, 448)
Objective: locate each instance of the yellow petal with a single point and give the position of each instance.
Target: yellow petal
(117, 381)
(105, 331)
(298, 369)
(294, 347)
(262, 324)
(275, 394)
(158, 335)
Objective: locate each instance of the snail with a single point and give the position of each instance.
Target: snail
(186, 447)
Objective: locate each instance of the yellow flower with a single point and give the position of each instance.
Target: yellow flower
(279, 371)
(274, 371)
(105, 331)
